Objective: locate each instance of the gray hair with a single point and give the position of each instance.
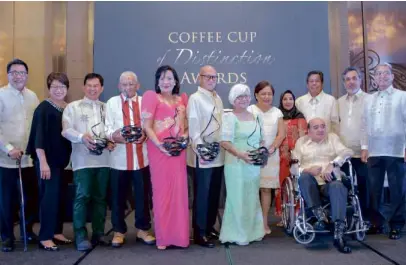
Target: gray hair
(236, 91)
(384, 64)
(128, 74)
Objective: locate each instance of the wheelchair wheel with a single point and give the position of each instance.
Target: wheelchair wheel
(360, 235)
(288, 206)
(303, 238)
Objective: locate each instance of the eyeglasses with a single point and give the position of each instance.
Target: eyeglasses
(17, 73)
(243, 97)
(58, 87)
(210, 77)
(382, 73)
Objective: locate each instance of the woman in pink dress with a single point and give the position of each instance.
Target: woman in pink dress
(164, 114)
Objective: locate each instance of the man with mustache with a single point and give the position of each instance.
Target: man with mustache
(128, 162)
(350, 109)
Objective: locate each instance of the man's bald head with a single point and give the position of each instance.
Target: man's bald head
(315, 121)
(205, 68)
(317, 129)
(208, 77)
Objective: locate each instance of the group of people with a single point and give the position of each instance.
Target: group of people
(369, 129)
(151, 141)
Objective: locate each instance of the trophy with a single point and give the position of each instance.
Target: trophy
(99, 142)
(209, 151)
(175, 145)
(259, 156)
(130, 133)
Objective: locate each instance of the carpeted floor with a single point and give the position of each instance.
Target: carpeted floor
(276, 248)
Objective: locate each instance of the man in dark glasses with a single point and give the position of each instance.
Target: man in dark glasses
(205, 157)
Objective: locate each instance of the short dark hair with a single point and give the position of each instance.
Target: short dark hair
(16, 61)
(61, 77)
(350, 69)
(163, 69)
(261, 85)
(315, 72)
(93, 76)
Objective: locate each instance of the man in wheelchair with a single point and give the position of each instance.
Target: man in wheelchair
(321, 154)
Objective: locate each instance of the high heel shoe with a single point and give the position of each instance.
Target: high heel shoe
(161, 247)
(53, 248)
(62, 242)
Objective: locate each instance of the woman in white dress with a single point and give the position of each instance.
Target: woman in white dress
(273, 135)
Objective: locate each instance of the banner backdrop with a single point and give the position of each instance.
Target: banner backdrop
(245, 41)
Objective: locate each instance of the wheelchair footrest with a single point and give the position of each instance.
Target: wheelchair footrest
(318, 231)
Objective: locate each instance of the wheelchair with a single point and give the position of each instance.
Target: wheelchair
(297, 221)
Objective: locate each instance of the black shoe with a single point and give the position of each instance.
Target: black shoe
(7, 245)
(319, 226)
(339, 242)
(62, 242)
(395, 234)
(213, 234)
(322, 219)
(31, 238)
(204, 242)
(53, 248)
(341, 246)
(99, 240)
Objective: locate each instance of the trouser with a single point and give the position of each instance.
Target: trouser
(91, 186)
(141, 181)
(207, 186)
(361, 170)
(10, 195)
(52, 199)
(335, 191)
(394, 167)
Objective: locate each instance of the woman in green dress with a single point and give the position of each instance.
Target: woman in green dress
(241, 132)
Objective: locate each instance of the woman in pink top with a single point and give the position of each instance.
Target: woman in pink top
(164, 114)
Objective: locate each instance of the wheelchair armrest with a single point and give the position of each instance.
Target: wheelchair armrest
(294, 169)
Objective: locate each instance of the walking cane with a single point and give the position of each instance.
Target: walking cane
(22, 204)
